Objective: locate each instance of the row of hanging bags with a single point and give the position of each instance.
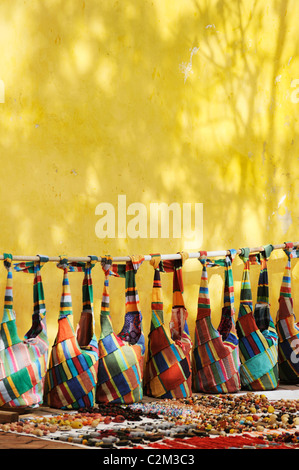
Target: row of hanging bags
(72, 372)
(121, 356)
(23, 363)
(258, 339)
(286, 325)
(216, 360)
(168, 370)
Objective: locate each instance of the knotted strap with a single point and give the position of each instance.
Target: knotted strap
(263, 283)
(105, 319)
(203, 304)
(227, 327)
(285, 289)
(8, 299)
(66, 298)
(246, 294)
(157, 298)
(87, 289)
(85, 331)
(39, 308)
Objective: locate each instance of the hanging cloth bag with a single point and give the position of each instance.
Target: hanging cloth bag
(72, 371)
(286, 325)
(121, 356)
(23, 363)
(168, 371)
(216, 361)
(258, 349)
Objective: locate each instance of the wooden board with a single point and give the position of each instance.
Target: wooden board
(10, 440)
(8, 416)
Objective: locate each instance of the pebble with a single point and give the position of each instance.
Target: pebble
(201, 415)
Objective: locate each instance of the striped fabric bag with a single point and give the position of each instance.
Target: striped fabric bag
(168, 371)
(287, 327)
(23, 363)
(258, 348)
(72, 371)
(121, 356)
(216, 360)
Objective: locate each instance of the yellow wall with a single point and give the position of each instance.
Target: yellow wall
(161, 101)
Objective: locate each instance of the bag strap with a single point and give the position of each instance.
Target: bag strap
(229, 292)
(263, 282)
(87, 288)
(291, 252)
(131, 294)
(203, 303)
(229, 297)
(85, 330)
(66, 298)
(105, 319)
(227, 325)
(39, 307)
(157, 298)
(245, 294)
(175, 267)
(8, 298)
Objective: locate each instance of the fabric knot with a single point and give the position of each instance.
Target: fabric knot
(136, 261)
(63, 263)
(155, 260)
(244, 255)
(7, 260)
(288, 249)
(184, 256)
(232, 254)
(203, 257)
(106, 263)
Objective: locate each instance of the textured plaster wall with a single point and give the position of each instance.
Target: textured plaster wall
(161, 101)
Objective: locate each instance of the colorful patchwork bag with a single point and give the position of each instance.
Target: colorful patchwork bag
(23, 363)
(216, 361)
(121, 356)
(168, 371)
(72, 371)
(287, 327)
(257, 347)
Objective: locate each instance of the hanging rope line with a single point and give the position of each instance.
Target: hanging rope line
(210, 254)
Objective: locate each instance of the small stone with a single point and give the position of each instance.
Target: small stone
(285, 418)
(272, 418)
(260, 428)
